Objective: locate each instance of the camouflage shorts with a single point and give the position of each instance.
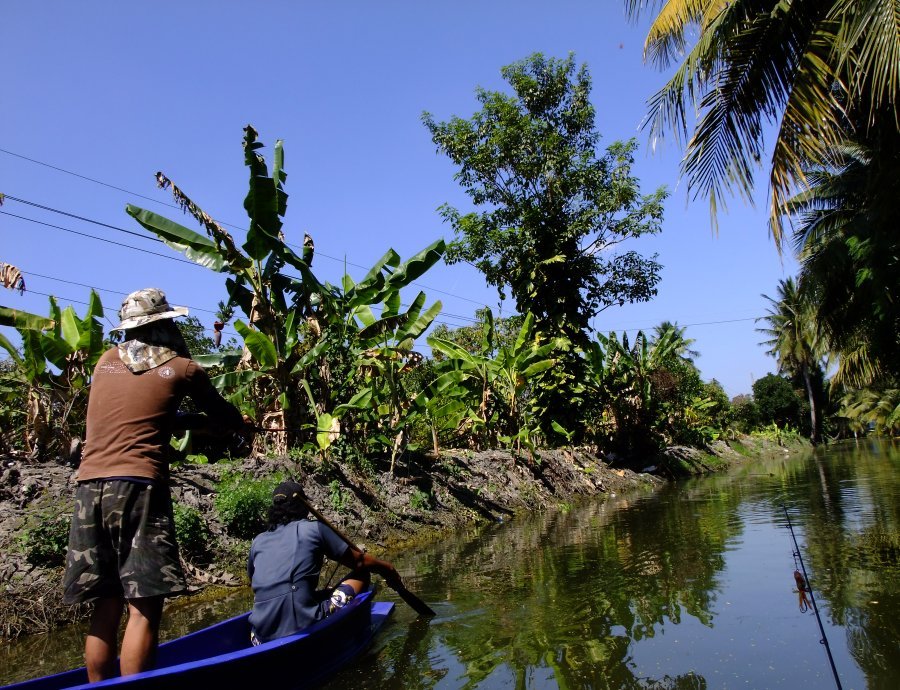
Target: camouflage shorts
(122, 542)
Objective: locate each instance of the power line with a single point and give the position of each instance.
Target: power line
(191, 263)
(231, 225)
(87, 220)
(94, 237)
(85, 177)
(680, 325)
(167, 256)
(131, 232)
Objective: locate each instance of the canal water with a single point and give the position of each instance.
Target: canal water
(689, 587)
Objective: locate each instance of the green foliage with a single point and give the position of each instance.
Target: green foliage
(551, 210)
(54, 367)
(321, 364)
(795, 344)
(190, 530)
(336, 496)
(45, 543)
(878, 407)
(485, 393)
(243, 503)
(470, 338)
(195, 337)
(746, 414)
(776, 401)
(849, 252)
(421, 500)
(623, 379)
(12, 415)
(812, 67)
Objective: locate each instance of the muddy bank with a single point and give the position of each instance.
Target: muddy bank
(426, 496)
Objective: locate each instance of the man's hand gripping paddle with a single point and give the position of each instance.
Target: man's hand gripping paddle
(417, 604)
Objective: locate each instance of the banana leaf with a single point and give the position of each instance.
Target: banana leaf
(260, 346)
(20, 320)
(194, 246)
(10, 348)
(235, 379)
(228, 359)
(415, 328)
(417, 265)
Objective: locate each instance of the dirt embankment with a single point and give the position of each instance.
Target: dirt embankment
(424, 498)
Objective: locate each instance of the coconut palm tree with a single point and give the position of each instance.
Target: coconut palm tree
(682, 344)
(795, 345)
(878, 407)
(849, 249)
(802, 66)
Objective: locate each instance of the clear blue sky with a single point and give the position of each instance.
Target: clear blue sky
(116, 91)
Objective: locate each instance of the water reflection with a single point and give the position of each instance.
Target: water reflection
(691, 587)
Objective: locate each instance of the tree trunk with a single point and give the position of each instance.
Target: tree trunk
(814, 435)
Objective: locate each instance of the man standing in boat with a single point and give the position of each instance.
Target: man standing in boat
(122, 544)
(285, 563)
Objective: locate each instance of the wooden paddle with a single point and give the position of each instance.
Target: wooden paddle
(417, 604)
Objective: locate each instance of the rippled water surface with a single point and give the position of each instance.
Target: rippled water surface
(691, 587)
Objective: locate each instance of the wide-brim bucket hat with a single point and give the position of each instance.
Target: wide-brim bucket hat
(146, 306)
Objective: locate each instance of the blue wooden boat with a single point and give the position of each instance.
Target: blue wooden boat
(221, 656)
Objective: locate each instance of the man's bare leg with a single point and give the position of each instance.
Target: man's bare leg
(141, 635)
(100, 645)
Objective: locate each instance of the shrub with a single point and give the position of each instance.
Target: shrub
(46, 543)
(776, 400)
(243, 504)
(336, 496)
(190, 530)
(420, 500)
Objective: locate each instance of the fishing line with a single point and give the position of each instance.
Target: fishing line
(812, 598)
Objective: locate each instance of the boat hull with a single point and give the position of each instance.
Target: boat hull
(223, 656)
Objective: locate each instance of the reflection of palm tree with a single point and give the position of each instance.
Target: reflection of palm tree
(795, 344)
(810, 65)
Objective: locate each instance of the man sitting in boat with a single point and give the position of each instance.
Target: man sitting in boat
(284, 566)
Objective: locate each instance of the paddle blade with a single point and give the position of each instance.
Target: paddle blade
(417, 604)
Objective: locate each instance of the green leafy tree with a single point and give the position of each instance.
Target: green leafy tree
(776, 401)
(552, 209)
(806, 67)
(745, 413)
(195, 337)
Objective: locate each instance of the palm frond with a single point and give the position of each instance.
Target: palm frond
(868, 49)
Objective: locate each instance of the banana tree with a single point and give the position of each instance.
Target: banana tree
(496, 384)
(462, 394)
(359, 379)
(621, 376)
(296, 327)
(516, 367)
(384, 351)
(58, 357)
(276, 305)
